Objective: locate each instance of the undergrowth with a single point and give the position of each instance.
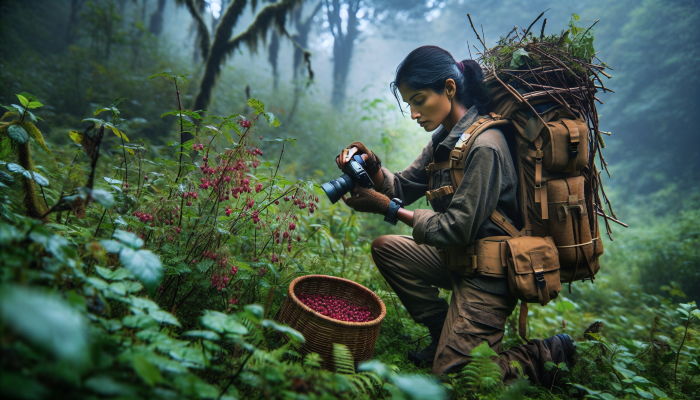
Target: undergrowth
(129, 273)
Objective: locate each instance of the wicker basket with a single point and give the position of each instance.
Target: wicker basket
(320, 331)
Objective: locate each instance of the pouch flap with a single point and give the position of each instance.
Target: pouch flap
(530, 254)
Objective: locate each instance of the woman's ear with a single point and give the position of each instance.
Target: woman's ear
(450, 88)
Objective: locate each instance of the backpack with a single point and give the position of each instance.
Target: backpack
(553, 136)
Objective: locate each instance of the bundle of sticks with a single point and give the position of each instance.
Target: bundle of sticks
(561, 68)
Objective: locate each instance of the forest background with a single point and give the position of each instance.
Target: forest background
(322, 68)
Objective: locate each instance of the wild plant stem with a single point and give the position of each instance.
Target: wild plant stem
(678, 353)
(182, 150)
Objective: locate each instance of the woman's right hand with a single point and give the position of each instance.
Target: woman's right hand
(345, 156)
(373, 163)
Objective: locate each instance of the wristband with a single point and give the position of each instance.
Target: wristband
(394, 206)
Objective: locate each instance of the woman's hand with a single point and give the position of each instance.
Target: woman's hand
(368, 200)
(373, 163)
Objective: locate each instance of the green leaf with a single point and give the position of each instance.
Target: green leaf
(189, 354)
(145, 265)
(257, 105)
(118, 288)
(518, 58)
(576, 17)
(140, 321)
(161, 75)
(147, 371)
(47, 321)
(97, 283)
(223, 323)
(128, 239)
(245, 267)
(208, 335)
(254, 312)
(111, 246)
(5, 146)
(117, 132)
(98, 122)
(34, 104)
(77, 137)
(271, 120)
(164, 317)
(112, 181)
(564, 306)
(418, 386)
(658, 392)
(23, 100)
(103, 197)
(290, 332)
(643, 393)
(30, 97)
(18, 134)
(695, 313)
(143, 303)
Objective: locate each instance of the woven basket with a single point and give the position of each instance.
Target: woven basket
(320, 331)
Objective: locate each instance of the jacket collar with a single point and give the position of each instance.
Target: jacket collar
(462, 125)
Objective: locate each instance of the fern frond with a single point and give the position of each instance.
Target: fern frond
(312, 360)
(344, 363)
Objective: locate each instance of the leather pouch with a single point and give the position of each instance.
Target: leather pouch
(533, 269)
(569, 225)
(566, 146)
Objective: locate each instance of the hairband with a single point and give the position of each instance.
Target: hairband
(460, 65)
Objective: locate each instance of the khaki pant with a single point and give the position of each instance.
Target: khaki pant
(477, 311)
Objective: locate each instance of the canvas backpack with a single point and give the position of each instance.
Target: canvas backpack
(560, 237)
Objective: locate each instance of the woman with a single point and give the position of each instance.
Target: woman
(447, 97)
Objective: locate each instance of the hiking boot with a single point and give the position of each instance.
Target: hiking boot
(425, 356)
(562, 348)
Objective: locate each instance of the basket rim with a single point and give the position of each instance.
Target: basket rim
(368, 324)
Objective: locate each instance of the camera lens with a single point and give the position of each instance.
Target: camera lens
(337, 188)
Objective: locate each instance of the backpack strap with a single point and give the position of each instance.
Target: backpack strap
(540, 190)
(458, 156)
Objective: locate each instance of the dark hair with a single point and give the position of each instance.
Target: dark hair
(431, 66)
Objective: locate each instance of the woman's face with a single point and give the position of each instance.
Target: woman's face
(428, 108)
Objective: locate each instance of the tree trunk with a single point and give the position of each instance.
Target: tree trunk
(272, 57)
(343, 44)
(155, 25)
(75, 6)
(302, 39)
(271, 15)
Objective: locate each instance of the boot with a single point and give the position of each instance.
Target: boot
(562, 349)
(427, 354)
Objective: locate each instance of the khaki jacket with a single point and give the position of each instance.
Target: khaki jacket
(459, 219)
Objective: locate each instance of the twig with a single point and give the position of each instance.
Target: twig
(533, 23)
(543, 25)
(584, 33)
(474, 29)
(100, 223)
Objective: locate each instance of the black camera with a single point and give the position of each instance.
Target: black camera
(354, 172)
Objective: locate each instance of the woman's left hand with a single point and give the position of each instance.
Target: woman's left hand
(368, 200)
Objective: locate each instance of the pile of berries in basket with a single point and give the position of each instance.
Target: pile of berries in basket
(335, 307)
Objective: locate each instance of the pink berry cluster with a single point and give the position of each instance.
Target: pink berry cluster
(335, 307)
(232, 301)
(244, 123)
(197, 146)
(222, 275)
(143, 216)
